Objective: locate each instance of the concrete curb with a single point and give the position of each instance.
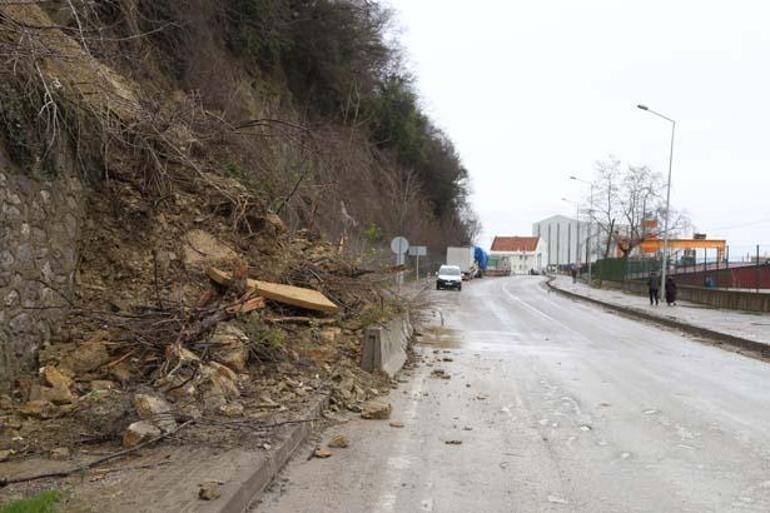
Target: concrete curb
(738, 342)
(261, 471)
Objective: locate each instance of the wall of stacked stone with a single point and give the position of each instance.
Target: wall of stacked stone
(39, 227)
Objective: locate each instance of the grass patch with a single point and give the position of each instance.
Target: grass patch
(44, 502)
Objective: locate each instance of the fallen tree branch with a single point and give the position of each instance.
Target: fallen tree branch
(299, 320)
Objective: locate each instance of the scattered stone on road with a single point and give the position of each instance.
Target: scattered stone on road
(339, 442)
(59, 454)
(320, 452)
(396, 424)
(376, 410)
(440, 373)
(140, 432)
(453, 442)
(233, 409)
(210, 490)
(631, 451)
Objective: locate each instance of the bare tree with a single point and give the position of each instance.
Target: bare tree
(640, 200)
(630, 206)
(402, 190)
(606, 209)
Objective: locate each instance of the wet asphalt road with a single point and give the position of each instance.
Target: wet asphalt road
(560, 407)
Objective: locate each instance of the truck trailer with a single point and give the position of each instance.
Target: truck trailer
(464, 258)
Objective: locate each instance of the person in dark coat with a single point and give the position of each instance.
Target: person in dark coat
(670, 291)
(653, 286)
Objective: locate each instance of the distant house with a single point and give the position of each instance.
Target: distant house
(523, 254)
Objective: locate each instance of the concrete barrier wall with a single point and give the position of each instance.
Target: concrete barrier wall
(717, 298)
(385, 346)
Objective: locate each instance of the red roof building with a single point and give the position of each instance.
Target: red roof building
(508, 244)
(521, 254)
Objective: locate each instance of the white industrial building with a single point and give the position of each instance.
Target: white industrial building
(566, 240)
(522, 254)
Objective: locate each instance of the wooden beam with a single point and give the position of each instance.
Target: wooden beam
(288, 294)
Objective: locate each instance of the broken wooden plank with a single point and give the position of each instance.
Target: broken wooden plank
(247, 306)
(287, 294)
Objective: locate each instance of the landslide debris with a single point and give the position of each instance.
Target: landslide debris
(151, 342)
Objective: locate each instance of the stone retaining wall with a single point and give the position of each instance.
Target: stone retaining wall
(39, 227)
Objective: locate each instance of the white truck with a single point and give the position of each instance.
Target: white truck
(462, 257)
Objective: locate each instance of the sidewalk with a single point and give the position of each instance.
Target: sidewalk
(753, 328)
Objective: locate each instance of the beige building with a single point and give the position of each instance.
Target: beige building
(523, 254)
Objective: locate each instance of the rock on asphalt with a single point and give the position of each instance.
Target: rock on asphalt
(569, 408)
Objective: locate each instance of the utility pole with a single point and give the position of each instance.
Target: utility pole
(664, 258)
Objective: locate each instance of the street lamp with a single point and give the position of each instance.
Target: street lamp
(664, 257)
(590, 222)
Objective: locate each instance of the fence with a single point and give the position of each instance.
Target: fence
(749, 273)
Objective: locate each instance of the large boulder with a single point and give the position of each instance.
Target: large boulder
(218, 386)
(376, 410)
(140, 432)
(55, 395)
(230, 347)
(55, 378)
(79, 358)
(38, 408)
(155, 410)
(105, 413)
(56, 388)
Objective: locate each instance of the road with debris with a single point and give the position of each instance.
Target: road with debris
(551, 406)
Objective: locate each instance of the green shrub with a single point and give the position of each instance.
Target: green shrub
(266, 342)
(44, 502)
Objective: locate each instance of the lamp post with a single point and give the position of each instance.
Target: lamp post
(664, 257)
(590, 222)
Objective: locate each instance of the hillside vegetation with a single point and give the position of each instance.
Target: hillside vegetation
(302, 102)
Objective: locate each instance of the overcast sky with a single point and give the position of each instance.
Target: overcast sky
(531, 92)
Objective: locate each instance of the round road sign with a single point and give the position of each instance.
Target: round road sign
(399, 245)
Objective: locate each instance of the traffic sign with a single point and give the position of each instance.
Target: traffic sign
(418, 250)
(399, 245)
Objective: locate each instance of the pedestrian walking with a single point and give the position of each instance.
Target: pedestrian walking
(653, 287)
(573, 271)
(670, 291)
